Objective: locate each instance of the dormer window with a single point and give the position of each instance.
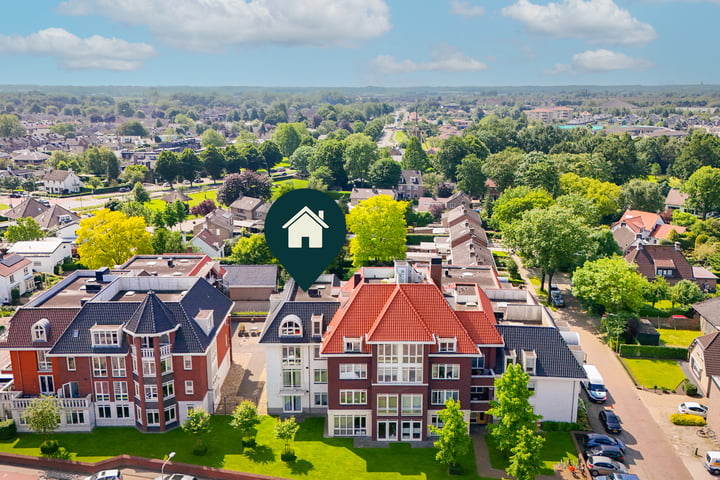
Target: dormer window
(291, 326)
(40, 330)
(447, 345)
(317, 325)
(510, 357)
(105, 335)
(352, 344)
(529, 360)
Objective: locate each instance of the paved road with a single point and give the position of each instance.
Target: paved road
(649, 454)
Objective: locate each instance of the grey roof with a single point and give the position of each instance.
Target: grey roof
(303, 310)
(250, 275)
(554, 358)
(709, 309)
(152, 317)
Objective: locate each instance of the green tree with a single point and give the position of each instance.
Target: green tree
(42, 415)
(685, 292)
(471, 179)
(703, 189)
(511, 408)
(174, 213)
(166, 241)
(132, 208)
(360, 153)
(109, 238)
(657, 290)
(190, 165)
(63, 129)
(244, 419)
(515, 201)
(10, 126)
(300, 158)
(213, 161)
(330, 153)
(140, 194)
(502, 167)
(96, 160)
(197, 424)
(610, 282)
(526, 463)
(320, 179)
(454, 441)
(286, 430)
(384, 173)
(270, 153)
(133, 174)
(415, 157)
(247, 183)
(252, 250)
(581, 206)
(212, 137)
(642, 195)
(547, 238)
(537, 171)
(168, 166)
(451, 153)
(112, 171)
(287, 138)
(701, 149)
(606, 195)
(132, 128)
(25, 228)
(615, 327)
(379, 227)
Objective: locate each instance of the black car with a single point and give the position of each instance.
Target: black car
(610, 451)
(15, 195)
(595, 439)
(556, 299)
(610, 421)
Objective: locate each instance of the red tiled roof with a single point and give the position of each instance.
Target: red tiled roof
(637, 219)
(19, 331)
(663, 231)
(415, 312)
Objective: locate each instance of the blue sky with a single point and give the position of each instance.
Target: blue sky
(359, 42)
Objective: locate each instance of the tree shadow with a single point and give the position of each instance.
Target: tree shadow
(260, 454)
(300, 467)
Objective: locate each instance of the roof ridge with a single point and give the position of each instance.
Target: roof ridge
(397, 290)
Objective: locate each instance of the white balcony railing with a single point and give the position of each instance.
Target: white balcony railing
(165, 351)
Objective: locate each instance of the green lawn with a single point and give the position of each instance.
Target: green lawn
(500, 253)
(558, 447)
(317, 457)
(677, 338)
(649, 373)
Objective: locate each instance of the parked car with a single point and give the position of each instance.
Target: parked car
(619, 476)
(124, 189)
(556, 299)
(16, 195)
(106, 475)
(45, 202)
(610, 421)
(554, 288)
(610, 451)
(712, 462)
(603, 465)
(593, 439)
(166, 185)
(693, 408)
(176, 476)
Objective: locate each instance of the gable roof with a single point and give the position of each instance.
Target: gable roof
(245, 202)
(51, 217)
(302, 310)
(710, 345)
(554, 358)
(663, 231)
(209, 238)
(27, 208)
(651, 257)
(54, 175)
(303, 211)
(709, 309)
(175, 195)
(676, 197)
(250, 275)
(12, 262)
(416, 312)
(638, 220)
(19, 330)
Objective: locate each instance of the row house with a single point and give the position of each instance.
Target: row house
(124, 351)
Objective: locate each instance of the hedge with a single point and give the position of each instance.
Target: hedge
(687, 419)
(416, 238)
(8, 430)
(652, 351)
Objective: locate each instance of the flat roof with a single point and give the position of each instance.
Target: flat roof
(139, 296)
(74, 292)
(160, 265)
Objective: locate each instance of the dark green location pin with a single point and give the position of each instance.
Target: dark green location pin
(305, 230)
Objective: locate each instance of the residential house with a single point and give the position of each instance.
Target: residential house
(131, 351)
(29, 207)
(357, 195)
(549, 115)
(209, 243)
(29, 157)
(60, 221)
(468, 242)
(669, 262)
(61, 181)
(708, 312)
(44, 254)
(250, 282)
(410, 185)
(555, 373)
(396, 352)
(458, 199)
(636, 227)
(426, 204)
(16, 273)
(250, 212)
(675, 200)
(219, 221)
(704, 359)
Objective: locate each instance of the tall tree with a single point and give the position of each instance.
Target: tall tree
(537, 171)
(606, 195)
(287, 138)
(252, 250)
(515, 201)
(96, 160)
(703, 189)
(25, 228)
(526, 463)
(112, 171)
(415, 157)
(132, 128)
(685, 293)
(271, 154)
(547, 238)
(702, 149)
(213, 161)
(165, 241)
(454, 441)
(134, 173)
(139, 193)
(657, 290)
(10, 126)
(168, 166)
(109, 238)
(642, 195)
(247, 183)
(330, 153)
(471, 178)
(384, 173)
(244, 419)
(360, 154)
(190, 165)
(379, 227)
(511, 408)
(610, 282)
(212, 137)
(42, 415)
(300, 158)
(451, 153)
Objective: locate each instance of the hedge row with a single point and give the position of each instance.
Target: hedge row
(687, 419)
(652, 351)
(8, 430)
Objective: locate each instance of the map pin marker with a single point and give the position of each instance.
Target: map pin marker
(305, 230)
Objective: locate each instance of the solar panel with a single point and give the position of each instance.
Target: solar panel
(12, 260)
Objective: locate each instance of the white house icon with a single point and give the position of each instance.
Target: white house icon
(306, 224)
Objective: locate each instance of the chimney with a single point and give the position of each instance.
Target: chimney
(356, 279)
(170, 263)
(321, 214)
(436, 271)
(677, 247)
(100, 274)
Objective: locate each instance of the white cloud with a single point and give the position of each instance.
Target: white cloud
(598, 21)
(465, 9)
(77, 53)
(212, 25)
(601, 61)
(444, 59)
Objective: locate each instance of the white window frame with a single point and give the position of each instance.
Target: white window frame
(187, 362)
(291, 327)
(411, 404)
(168, 389)
(75, 417)
(320, 399)
(43, 362)
(291, 378)
(102, 391)
(385, 403)
(153, 417)
(120, 389)
(446, 371)
(291, 356)
(439, 397)
(353, 371)
(352, 345)
(189, 387)
(149, 367)
(119, 367)
(170, 414)
(100, 369)
(105, 337)
(39, 333)
(150, 393)
(353, 397)
(350, 425)
(292, 403)
(447, 345)
(320, 375)
(71, 364)
(122, 411)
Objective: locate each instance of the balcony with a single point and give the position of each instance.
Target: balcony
(81, 402)
(165, 351)
(483, 372)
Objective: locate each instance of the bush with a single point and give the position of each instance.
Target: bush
(288, 456)
(200, 448)
(689, 388)
(8, 429)
(687, 419)
(49, 447)
(651, 351)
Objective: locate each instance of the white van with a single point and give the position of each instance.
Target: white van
(712, 462)
(594, 384)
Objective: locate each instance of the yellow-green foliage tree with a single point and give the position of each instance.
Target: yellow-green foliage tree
(110, 238)
(379, 227)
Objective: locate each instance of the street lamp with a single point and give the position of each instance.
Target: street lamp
(162, 469)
